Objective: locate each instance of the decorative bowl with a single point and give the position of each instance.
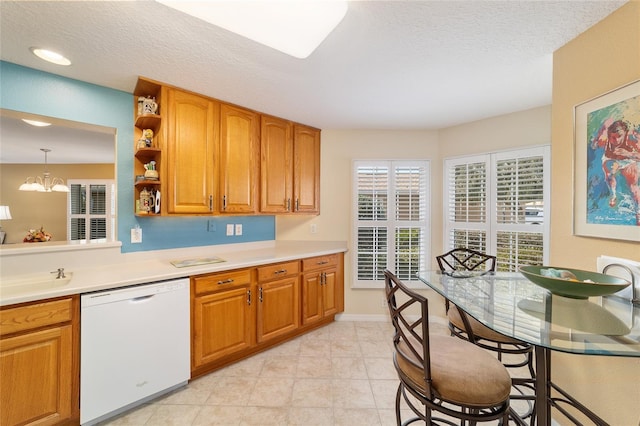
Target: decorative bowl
(596, 284)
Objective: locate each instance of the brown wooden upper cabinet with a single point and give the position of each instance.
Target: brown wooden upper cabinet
(239, 159)
(289, 167)
(219, 158)
(191, 147)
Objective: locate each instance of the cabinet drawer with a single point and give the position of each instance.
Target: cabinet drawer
(319, 262)
(30, 317)
(280, 270)
(221, 281)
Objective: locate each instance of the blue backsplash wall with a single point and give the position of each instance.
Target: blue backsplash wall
(28, 90)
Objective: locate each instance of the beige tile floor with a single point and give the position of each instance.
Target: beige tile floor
(341, 374)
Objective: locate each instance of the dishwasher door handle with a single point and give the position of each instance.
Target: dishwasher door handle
(141, 298)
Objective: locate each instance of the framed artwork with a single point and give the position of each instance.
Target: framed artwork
(606, 165)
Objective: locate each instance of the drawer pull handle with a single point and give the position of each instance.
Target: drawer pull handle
(281, 271)
(323, 262)
(227, 281)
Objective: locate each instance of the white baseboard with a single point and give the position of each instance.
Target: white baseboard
(363, 317)
(382, 318)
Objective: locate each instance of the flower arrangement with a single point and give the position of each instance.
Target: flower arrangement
(37, 236)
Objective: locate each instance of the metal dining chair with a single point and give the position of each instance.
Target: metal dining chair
(448, 376)
(513, 353)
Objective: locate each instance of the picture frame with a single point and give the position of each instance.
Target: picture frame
(606, 197)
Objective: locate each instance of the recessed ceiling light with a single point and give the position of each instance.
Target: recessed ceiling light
(36, 123)
(293, 27)
(50, 56)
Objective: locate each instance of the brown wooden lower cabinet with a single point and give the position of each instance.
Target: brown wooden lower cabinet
(39, 363)
(278, 300)
(322, 287)
(238, 313)
(223, 315)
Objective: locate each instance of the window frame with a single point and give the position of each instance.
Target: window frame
(490, 224)
(391, 223)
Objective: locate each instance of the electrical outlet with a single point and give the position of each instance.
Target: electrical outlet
(313, 228)
(238, 229)
(229, 229)
(383, 303)
(211, 226)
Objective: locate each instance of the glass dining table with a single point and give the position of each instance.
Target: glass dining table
(510, 304)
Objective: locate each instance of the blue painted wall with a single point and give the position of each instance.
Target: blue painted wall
(28, 90)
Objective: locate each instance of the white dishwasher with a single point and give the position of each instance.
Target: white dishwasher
(134, 346)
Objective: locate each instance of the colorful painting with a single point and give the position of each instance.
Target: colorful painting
(607, 165)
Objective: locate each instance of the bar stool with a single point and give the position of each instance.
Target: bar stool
(448, 376)
(513, 353)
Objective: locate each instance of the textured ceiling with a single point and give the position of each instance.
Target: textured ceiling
(388, 65)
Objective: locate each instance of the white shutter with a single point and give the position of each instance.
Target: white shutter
(91, 210)
(410, 187)
(466, 203)
(390, 224)
(518, 199)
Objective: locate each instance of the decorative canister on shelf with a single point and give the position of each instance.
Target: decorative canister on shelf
(146, 140)
(147, 201)
(147, 105)
(150, 171)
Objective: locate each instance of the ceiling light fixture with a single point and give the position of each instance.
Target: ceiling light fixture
(45, 183)
(50, 56)
(293, 27)
(36, 123)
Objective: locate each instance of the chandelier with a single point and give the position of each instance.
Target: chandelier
(45, 183)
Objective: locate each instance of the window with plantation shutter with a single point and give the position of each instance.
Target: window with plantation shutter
(497, 203)
(91, 210)
(390, 225)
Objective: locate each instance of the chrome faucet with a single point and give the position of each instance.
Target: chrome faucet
(60, 273)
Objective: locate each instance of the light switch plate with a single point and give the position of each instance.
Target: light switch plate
(238, 229)
(136, 235)
(229, 228)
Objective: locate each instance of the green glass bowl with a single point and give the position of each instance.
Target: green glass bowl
(602, 284)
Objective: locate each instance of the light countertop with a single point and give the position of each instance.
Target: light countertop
(93, 273)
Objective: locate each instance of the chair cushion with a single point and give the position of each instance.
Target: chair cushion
(480, 330)
(461, 372)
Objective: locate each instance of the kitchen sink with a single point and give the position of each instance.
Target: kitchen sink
(33, 282)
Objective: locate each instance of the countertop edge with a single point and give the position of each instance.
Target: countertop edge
(147, 270)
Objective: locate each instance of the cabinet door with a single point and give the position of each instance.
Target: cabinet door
(222, 324)
(191, 152)
(36, 374)
(239, 148)
(276, 165)
(278, 308)
(306, 175)
(311, 298)
(329, 290)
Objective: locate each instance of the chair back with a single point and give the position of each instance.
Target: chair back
(411, 328)
(465, 259)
